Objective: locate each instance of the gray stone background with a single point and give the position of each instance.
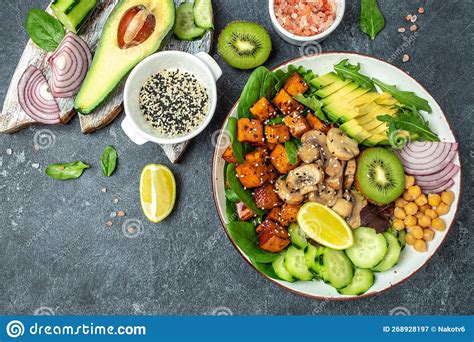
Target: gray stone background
(58, 256)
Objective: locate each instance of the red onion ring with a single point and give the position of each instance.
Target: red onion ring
(438, 189)
(438, 179)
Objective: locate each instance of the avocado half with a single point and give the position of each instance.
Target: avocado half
(112, 63)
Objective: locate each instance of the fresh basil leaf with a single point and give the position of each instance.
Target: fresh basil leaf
(109, 161)
(407, 98)
(345, 69)
(371, 18)
(261, 83)
(44, 30)
(244, 235)
(292, 151)
(64, 171)
(244, 195)
(231, 195)
(275, 121)
(266, 269)
(237, 147)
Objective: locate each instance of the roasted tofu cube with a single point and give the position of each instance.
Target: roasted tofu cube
(272, 237)
(270, 146)
(289, 212)
(279, 159)
(286, 104)
(275, 215)
(250, 131)
(295, 85)
(316, 123)
(228, 155)
(258, 156)
(265, 197)
(252, 175)
(263, 110)
(244, 213)
(297, 124)
(272, 173)
(276, 134)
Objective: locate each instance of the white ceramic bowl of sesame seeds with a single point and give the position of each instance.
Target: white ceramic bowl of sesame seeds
(144, 122)
(304, 40)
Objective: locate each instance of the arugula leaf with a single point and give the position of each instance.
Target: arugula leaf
(292, 151)
(371, 18)
(409, 120)
(64, 171)
(345, 69)
(237, 146)
(312, 103)
(244, 235)
(244, 195)
(109, 161)
(261, 83)
(44, 29)
(407, 98)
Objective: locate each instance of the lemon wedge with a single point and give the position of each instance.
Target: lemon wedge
(324, 226)
(157, 192)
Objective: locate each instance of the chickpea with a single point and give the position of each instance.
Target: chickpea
(447, 197)
(419, 215)
(410, 239)
(431, 213)
(434, 200)
(424, 207)
(428, 234)
(421, 200)
(417, 232)
(399, 213)
(410, 221)
(420, 245)
(409, 181)
(425, 221)
(407, 196)
(438, 224)
(442, 209)
(415, 191)
(410, 208)
(398, 224)
(400, 202)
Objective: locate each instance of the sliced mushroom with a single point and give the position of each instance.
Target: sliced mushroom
(359, 202)
(340, 145)
(349, 173)
(285, 194)
(304, 179)
(335, 171)
(318, 139)
(309, 153)
(324, 195)
(343, 207)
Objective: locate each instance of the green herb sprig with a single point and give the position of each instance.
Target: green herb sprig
(371, 18)
(346, 70)
(63, 171)
(44, 30)
(407, 98)
(108, 161)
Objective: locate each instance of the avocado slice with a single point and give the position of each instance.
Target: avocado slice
(332, 88)
(376, 111)
(339, 111)
(339, 95)
(324, 80)
(111, 62)
(376, 139)
(386, 99)
(364, 99)
(355, 131)
(355, 94)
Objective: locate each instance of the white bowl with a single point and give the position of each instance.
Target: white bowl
(410, 260)
(300, 40)
(201, 65)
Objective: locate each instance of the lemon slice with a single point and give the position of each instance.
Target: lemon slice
(157, 192)
(324, 226)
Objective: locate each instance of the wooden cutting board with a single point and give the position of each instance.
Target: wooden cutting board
(13, 118)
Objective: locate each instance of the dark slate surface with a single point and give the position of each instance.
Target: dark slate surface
(56, 254)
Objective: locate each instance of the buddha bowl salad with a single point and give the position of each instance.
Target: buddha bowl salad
(329, 176)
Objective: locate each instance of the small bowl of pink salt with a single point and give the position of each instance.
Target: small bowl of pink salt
(301, 22)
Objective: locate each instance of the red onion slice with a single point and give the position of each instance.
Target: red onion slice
(447, 174)
(433, 167)
(69, 65)
(438, 189)
(408, 152)
(35, 98)
(432, 164)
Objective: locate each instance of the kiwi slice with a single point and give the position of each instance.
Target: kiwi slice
(244, 45)
(380, 176)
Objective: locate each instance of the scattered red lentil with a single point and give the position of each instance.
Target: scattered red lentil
(413, 28)
(421, 10)
(305, 17)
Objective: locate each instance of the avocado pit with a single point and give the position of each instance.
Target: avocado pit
(136, 26)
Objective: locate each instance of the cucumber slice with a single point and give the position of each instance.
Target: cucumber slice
(393, 254)
(369, 248)
(73, 13)
(203, 16)
(184, 28)
(280, 270)
(297, 236)
(401, 237)
(310, 255)
(337, 269)
(362, 281)
(295, 263)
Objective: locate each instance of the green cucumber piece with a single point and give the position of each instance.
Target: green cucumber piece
(73, 13)
(337, 269)
(203, 15)
(184, 28)
(297, 236)
(310, 255)
(369, 248)
(393, 254)
(401, 237)
(295, 263)
(362, 281)
(280, 270)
